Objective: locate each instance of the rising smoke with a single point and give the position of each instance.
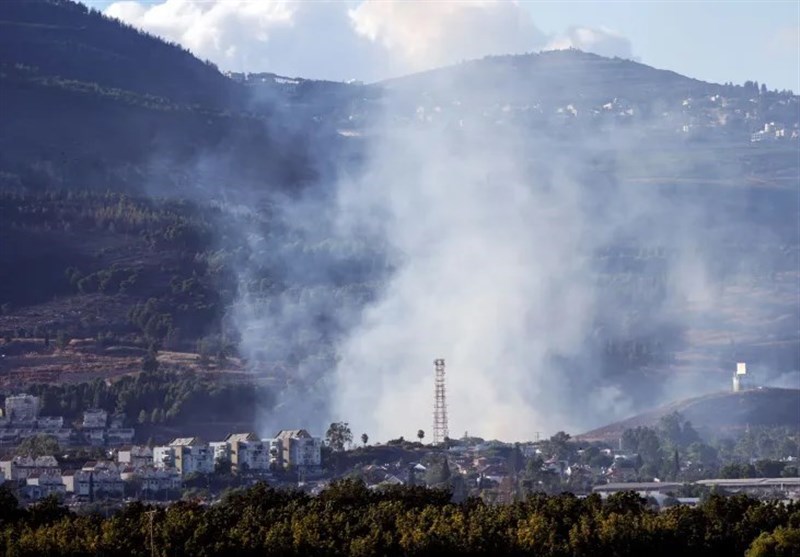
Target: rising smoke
(565, 280)
(466, 232)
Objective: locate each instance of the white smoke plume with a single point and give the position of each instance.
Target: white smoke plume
(484, 238)
(481, 280)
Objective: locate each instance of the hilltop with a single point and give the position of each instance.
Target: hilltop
(717, 413)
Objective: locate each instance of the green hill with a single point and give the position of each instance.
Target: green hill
(66, 39)
(718, 413)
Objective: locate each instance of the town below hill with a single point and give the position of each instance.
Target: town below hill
(98, 460)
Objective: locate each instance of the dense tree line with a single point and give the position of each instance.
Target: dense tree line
(674, 450)
(348, 519)
(158, 257)
(83, 44)
(158, 397)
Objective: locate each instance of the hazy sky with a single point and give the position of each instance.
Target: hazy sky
(373, 39)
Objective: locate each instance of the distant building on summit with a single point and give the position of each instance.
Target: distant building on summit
(738, 377)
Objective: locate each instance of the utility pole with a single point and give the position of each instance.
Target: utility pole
(151, 516)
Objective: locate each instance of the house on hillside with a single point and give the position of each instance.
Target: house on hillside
(41, 485)
(249, 453)
(153, 480)
(22, 409)
(136, 455)
(192, 456)
(94, 418)
(188, 455)
(96, 480)
(21, 467)
(300, 450)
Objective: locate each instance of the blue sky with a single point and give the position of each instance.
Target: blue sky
(713, 41)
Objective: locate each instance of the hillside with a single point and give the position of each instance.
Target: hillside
(719, 413)
(91, 103)
(67, 40)
(555, 77)
(147, 200)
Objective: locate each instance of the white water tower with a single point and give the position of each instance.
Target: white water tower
(738, 376)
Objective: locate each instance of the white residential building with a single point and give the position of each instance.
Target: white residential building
(136, 456)
(77, 482)
(299, 449)
(152, 479)
(50, 422)
(119, 435)
(95, 437)
(164, 457)
(43, 485)
(254, 456)
(192, 456)
(108, 484)
(221, 450)
(248, 452)
(22, 467)
(22, 408)
(96, 480)
(95, 418)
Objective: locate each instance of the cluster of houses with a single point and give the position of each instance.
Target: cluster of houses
(482, 468)
(20, 420)
(774, 132)
(147, 472)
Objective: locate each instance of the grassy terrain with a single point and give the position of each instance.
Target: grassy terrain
(724, 412)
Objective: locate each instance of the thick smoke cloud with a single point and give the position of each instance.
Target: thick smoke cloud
(376, 39)
(307, 39)
(423, 35)
(470, 230)
(506, 253)
(495, 271)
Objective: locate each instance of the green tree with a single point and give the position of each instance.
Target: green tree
(338, 436)
(38, 445)
(150, 361)
(420, 435)
(364, 439)
(677, 431)
(782, 542)
(9, 506)
(769, 468)
(62, 339)
(702, 454)
(438, 472)
(223, 467)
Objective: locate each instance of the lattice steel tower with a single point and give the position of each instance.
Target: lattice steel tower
(440, 405)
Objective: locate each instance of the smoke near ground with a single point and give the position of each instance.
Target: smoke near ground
(572, 260)
(563, 286)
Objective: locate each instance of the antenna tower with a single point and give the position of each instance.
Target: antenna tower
(440, 405)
